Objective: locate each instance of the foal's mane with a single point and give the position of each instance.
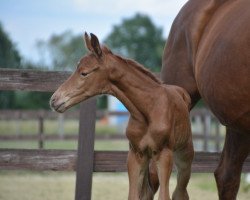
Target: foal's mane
(135, 64)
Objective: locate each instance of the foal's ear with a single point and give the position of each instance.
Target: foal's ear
(87, 42)
(96, 46)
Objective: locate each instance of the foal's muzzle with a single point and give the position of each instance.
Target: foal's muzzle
(57, 104)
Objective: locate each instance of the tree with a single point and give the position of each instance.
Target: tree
(32, 100)
(63, 50)
(9, 58)
(138, 38)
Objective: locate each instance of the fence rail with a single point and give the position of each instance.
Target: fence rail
(206, 119)
(104, 161)
(31, 80)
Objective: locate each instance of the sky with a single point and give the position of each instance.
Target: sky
(27, 21)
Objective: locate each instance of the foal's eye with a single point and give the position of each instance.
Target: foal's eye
(84, 74)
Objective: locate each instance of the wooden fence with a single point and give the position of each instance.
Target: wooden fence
(85, 161)
(204, 136)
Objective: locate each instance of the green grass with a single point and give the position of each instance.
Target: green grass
(14, 127)
(18, 127)
(119, 145)
(19, 144)
(108, 145)
(36, 186)
(26, 185)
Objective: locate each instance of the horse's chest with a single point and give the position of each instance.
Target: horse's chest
(147, 139)
(149, 142)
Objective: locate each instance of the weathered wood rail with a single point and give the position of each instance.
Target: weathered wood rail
(104, 161)
(85, 161)
(30, 80)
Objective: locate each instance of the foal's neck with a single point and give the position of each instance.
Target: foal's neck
(135, 87)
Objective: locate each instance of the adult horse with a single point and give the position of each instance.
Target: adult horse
(208, 54)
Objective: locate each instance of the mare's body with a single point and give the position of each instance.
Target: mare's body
(208, 54)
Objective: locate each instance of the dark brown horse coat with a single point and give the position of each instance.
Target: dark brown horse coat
(208, 54)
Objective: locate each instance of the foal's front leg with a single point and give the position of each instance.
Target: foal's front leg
(138, 166)
(134, 168)
(164, 160)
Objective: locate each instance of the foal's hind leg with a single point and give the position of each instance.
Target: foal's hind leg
(227, 174)
(183, 159)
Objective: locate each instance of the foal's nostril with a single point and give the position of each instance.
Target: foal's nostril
(52, 101)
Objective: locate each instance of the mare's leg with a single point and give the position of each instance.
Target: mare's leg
(164, 161)
(138, 171)
(183, 159)
(227, 174)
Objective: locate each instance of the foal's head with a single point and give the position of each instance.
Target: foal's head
(89, 79)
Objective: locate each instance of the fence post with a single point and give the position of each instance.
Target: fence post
(18, 120)
(40, 132)
(61, 125)
(206, 130)
(217, 136)
(85, 153)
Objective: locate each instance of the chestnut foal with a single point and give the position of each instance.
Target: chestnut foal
(158, 129)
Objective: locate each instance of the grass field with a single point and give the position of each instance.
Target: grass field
(23, 127)
(60, 185)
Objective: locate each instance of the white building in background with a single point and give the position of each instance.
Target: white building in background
(115, 105)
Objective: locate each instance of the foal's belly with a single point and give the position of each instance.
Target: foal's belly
(222, 68)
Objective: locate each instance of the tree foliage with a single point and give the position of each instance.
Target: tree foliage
(9, 58)
(63, 50)
(32, 100)
(138, 38)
